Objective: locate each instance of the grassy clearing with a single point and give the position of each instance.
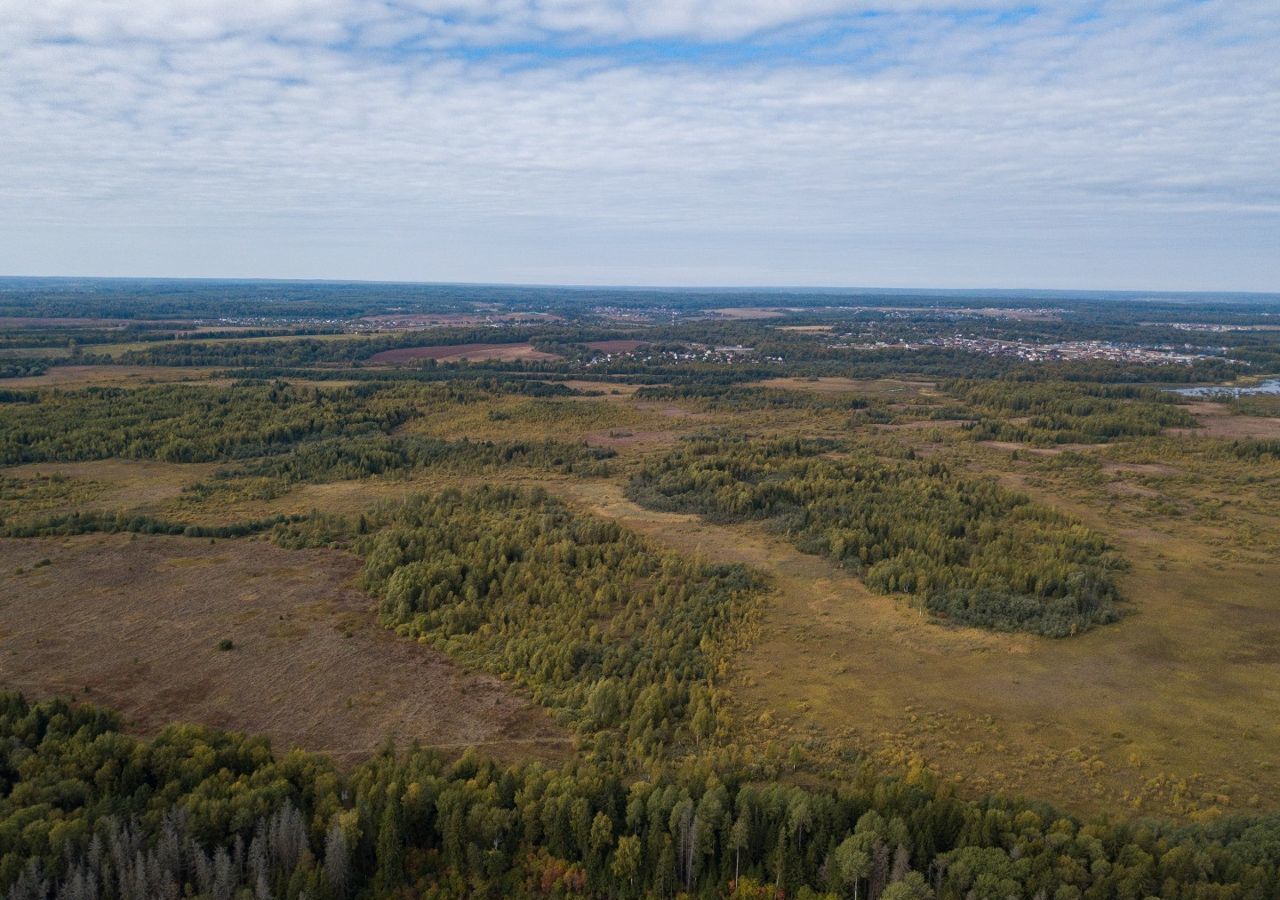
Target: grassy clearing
(1124, 717)
(74, 377)
(882, 388)
(137, 624)
(41, 493)
(505, 418)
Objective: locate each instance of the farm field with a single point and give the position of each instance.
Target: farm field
(460, 353)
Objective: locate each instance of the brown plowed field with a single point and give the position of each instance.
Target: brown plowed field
(461, 352)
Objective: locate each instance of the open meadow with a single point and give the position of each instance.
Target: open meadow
(136, 623)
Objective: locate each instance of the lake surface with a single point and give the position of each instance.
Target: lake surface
(1270, 386)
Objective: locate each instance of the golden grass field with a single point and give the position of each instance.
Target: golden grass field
(1173, 710)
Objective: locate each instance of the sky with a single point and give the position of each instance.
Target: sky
(1108, 144)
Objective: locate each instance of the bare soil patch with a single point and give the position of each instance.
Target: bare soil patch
(461, 353)
(135, 624)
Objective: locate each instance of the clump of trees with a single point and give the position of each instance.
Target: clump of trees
(1062, 412)
(341, 459)
(88, 811)
(969, 550)
(303, 434)
(191, 423)
(625, 640)
(738, 398)
(101, 521)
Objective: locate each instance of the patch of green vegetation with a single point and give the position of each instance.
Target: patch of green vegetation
(96, 521)
(615, 633)
(969, 550)
(89, 811)
(185, 423)
(1060, 412)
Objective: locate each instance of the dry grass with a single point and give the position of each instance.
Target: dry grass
(69, 377)
(523, 418)
(135, 624)
(1174, 710)
(132, 484)
(749, 312)
(881, 388)
(1219, 420)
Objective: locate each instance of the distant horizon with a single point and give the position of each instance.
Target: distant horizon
(1063, 292)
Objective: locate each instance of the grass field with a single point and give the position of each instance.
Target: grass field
(136, 624)
(1124, 717)
(71, 377)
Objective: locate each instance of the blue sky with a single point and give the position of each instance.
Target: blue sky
(1105, 144)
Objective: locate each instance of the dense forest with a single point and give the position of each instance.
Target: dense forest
(87, 811)
(184, 423)
(345, 427)
(1057, 412)
(624, 639)
(969, 550)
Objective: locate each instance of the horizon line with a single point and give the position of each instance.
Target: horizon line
(638, 287)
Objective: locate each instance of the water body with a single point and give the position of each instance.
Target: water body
(1270, 386)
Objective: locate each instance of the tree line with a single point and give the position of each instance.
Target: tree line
(88, 811)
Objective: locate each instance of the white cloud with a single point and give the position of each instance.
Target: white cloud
(929, 131)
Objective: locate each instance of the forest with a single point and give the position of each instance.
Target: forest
(624, 640)
(89, 811)
(967, 549)
(1055, 412)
